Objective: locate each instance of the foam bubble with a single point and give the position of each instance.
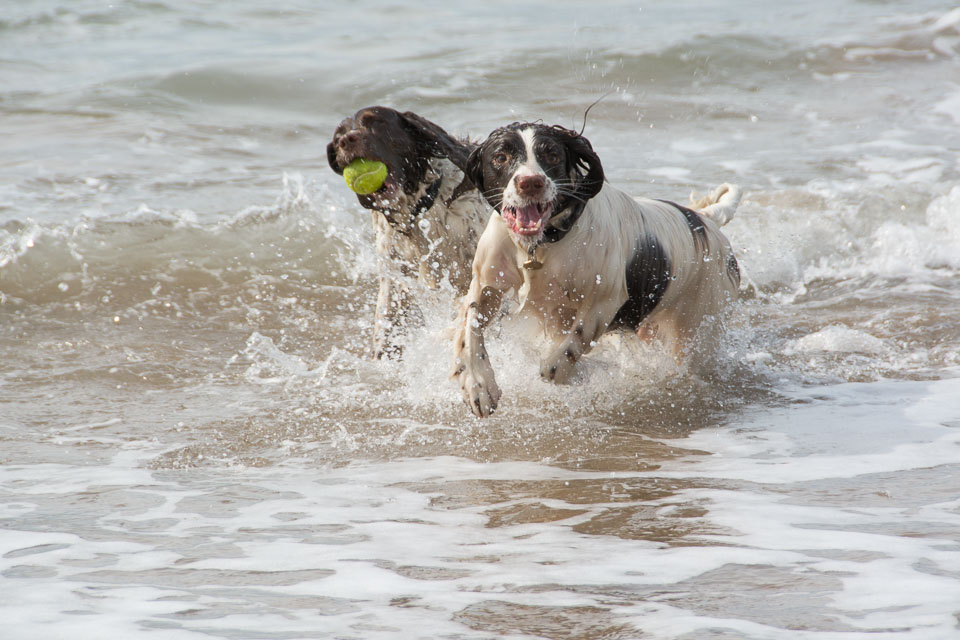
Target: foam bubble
(837, 339)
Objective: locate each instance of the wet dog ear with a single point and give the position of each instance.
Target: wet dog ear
(332, 158)
(434, 140)
(584, 157)
(472, 175)
(473, 168)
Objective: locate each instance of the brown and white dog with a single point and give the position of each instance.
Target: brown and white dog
(583, 256)
(420, 228)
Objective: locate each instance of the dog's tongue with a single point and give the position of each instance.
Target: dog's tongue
(528, 216)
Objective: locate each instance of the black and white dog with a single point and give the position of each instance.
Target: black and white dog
(583, 256)
(420, 228)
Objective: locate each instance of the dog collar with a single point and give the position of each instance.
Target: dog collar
(422, 206)
(556, 232)
(533, 263)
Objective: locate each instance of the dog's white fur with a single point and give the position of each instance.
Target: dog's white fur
(437, 245)
(582, 283)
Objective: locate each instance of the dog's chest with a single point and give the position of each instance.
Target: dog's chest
(552, 286)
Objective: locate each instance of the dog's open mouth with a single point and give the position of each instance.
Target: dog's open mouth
(529, 219)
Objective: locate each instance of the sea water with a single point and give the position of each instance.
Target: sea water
(195, 440)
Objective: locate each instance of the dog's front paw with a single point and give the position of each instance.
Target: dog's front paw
(558, 367)
(480, 390)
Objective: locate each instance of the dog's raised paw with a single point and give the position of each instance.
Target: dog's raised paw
(480, 392)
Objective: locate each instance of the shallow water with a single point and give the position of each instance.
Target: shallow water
(195, 442)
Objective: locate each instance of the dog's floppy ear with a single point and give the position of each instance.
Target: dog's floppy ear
(332, 158)
(584, 157)
(436, 142)
(472, 175)
(473, 168)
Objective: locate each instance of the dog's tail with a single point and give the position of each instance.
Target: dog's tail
(720, 205)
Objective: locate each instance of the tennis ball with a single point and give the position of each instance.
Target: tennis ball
(365, 176)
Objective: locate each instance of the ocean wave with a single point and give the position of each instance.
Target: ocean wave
(787, 239)
(25, 15)
(905, 38)
(126, 255)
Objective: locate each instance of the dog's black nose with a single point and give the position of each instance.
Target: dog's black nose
(348, 139)
(531, 185)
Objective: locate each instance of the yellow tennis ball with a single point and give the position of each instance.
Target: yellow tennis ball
(365, 176)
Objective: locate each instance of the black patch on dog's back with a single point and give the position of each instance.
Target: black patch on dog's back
(648, 275)
(695, 223)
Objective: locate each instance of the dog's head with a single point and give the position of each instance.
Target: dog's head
(404, 142)
(533, 173)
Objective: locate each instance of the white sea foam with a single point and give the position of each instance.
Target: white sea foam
(350, 541)
(837, 339)
(837, 432)
(950, 107)
(897, 248)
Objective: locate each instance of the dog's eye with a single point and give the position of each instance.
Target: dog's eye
(550, 154)
(367, 119)
(500, 158)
